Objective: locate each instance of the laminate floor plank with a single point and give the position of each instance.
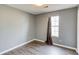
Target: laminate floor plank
(40, 48)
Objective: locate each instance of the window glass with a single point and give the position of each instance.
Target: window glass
(55, 26)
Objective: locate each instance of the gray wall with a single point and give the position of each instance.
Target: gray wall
(16, 27)
(67, 26)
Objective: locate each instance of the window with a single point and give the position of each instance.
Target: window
(55, 26)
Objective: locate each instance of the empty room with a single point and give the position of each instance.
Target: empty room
(39, 29)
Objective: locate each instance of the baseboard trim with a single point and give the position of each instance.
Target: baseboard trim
(16, 46)
(64, 46)
(36, 40)
(77, 51)
(39, 40)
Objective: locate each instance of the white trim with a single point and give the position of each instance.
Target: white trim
(72, 48)
(39, 40)
(16, 47)
(77, 51)
(64, 46)
(36, 40)
(19, 46)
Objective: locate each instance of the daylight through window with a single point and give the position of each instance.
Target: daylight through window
(55, 26)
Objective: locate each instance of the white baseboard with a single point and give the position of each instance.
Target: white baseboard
(65, 46)
(36, 40)
(59, 45)
(19, 46)
(39, 40)
(16, 46)
(77, 51)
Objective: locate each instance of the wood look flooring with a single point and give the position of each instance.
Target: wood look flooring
(40, 48)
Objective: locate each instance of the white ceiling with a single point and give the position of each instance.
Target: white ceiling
(30, 8)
